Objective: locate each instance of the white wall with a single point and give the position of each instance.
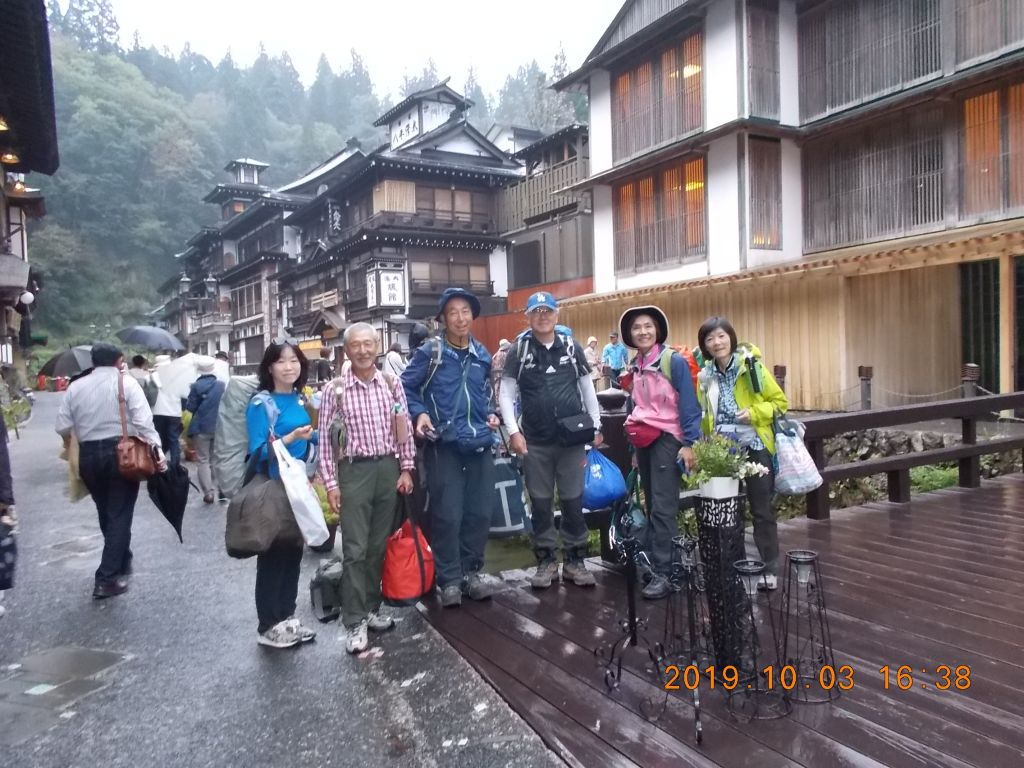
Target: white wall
(792, 213)
(604, 240)
(499, 270)
(292, 241)
(662, 276)
(405, 127)
(600, 121)
(721, 61)
(460, 144)
(789, 70)
(723, 201)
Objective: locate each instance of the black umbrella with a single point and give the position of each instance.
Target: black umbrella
(151, 337)
(69, 362)
(169, 492)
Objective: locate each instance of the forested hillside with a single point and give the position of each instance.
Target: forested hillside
(145, 133)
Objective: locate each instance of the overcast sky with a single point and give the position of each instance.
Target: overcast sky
(394, 37)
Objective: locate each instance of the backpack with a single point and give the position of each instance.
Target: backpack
(524, 354)
(689, 357)
(325, 591)
(231, 437)
(338, 433)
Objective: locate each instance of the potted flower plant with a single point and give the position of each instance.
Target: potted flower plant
(329, 517)
(720, 464)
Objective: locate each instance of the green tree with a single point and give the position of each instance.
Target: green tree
(480, 113)
(92, 24)
(428, 78)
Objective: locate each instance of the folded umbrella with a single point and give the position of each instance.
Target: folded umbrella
(151, 337)
(68, 362)
(169, 492)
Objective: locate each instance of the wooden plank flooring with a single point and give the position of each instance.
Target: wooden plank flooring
(936, 581)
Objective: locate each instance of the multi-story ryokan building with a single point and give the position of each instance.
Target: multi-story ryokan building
(844, 179)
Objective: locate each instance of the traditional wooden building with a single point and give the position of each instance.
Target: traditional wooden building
(395, 226)
(28, 144)
(225, 296)
(842, 178)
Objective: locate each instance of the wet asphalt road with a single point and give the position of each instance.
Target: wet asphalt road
(190, 686)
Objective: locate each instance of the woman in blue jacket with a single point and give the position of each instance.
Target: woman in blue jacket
(278, 410)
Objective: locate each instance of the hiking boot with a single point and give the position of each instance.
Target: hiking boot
(355, 638)
(451, 596)
(657, 589)
(105, 589)
(305, 634)
(546, 573)
(278, 636)
(575, 567)
(474, 587)
(547, 569)
(769, 582)
(576, 572)
(378, 622)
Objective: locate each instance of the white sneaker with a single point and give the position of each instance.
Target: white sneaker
(278, 636)
(356, 640)
(769, 582)
(378, 622)
(305, 634)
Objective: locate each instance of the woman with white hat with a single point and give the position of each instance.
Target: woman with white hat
(663, 424)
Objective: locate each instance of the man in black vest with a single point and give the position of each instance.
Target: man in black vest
(550, 373)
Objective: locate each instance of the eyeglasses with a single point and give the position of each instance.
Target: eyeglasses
(282, 340)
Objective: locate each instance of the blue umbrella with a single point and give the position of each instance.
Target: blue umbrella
(151, 337)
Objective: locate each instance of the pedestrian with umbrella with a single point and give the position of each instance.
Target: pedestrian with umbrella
(92, 410)
(68, 362)
(151, 337)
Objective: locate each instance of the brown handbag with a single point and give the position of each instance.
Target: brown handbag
(134, 455)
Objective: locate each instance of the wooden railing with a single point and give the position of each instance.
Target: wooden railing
(535, 196)
(897, 468)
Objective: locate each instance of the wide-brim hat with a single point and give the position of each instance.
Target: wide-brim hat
(458, 293)
(626, 321)
(205, 365)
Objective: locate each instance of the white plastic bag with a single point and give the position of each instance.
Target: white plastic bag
(797, 473)
(305, 505)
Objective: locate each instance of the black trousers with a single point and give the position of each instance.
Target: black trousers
(277, 585)
(115, 504)
(759, 496)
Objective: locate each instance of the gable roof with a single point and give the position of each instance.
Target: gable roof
(323, 172)
(456, 124)
(440, 92)
(636, 21)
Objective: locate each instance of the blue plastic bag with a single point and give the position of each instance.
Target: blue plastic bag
(603, 483)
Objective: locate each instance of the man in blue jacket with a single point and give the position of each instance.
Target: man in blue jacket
(203, 403)
(446, 386)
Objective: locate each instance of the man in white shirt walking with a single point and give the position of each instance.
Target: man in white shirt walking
(90, 409)
(167, 413)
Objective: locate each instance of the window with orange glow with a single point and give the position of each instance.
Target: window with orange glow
(992, 151)
(659, 217)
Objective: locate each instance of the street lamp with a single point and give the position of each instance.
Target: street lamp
(184, 284)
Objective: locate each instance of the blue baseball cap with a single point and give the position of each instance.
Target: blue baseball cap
(458, 293)
(540, 299)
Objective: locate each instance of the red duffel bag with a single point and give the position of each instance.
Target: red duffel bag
(408, 572)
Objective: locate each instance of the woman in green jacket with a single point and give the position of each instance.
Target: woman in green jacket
(740, 399)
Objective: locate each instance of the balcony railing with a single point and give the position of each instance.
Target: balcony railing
(324, 300)
(479, 287)
(535, 196)
(459, 221)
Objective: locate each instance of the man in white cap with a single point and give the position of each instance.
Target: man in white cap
(203, 401)
(560, 415)
(614, 358)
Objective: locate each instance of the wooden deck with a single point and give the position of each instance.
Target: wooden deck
(936, 581)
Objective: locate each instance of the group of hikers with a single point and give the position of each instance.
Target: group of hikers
(445, 406)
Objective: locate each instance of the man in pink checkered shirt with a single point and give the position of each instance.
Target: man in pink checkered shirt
(378, 456)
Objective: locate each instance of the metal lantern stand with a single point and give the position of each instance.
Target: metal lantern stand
(720, 534)
(752, 698)
(806, 642)
(675, 648)
(611, 655)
